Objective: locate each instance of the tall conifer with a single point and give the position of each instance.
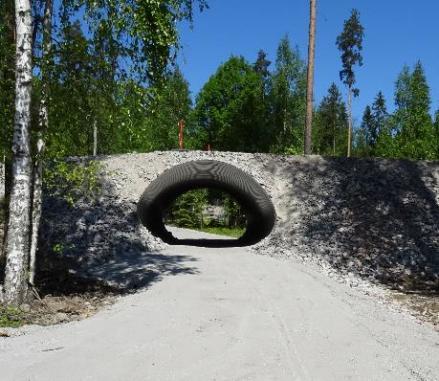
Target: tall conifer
(350, 44)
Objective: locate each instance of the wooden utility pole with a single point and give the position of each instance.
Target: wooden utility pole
(181, 126)
(310, 78)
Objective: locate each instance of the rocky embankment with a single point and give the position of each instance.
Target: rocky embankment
(370, 217)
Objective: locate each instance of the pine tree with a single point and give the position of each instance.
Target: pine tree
(350, 43)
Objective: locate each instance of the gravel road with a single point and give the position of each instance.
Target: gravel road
(228, 314)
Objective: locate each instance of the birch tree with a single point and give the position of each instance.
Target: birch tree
(43, 122)
(17, 242)
(350, 43)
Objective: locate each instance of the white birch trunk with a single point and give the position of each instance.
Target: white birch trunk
(43, 124)
(17, 243)
(36, 217)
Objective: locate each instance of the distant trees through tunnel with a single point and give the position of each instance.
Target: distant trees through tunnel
(209, 210)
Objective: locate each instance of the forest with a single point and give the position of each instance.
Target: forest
(85, 78)
(96, 82)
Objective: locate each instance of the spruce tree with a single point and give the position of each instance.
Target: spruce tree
(380, 114)
(261, 68)
(416, 134)
(368, 131)
(331, 124)
(261, 65)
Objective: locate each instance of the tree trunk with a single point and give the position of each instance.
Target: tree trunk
(2, 207)
(43, 124)
(95, 138)
(36, 217)
(2, 178)
(310, 79)
(17, 243)
(349, 121)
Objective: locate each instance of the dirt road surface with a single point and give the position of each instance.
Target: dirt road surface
(228, 314)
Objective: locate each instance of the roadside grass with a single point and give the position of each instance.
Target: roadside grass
(11, 317)
(223, 230)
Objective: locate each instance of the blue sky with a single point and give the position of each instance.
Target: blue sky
(397, 32)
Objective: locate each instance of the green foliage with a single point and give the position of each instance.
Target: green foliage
(72, 88)
(387, 145)
(73, 181)
(229, 113)
(287, 100)
(7, 76)
(414, 126)
(234, 216)
(330, 125)
(374, 128)
(186, 211)
(365, 134)
(10, 317)
(172, 104)
(111, 71)
(189, 211)
(137, 38)
(128, 116)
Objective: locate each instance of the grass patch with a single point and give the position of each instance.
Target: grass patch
(222, 230)
(10, 317)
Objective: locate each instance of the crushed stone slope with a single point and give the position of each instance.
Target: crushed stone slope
(375, 218)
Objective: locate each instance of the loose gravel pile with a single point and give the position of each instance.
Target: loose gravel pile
(375, 218)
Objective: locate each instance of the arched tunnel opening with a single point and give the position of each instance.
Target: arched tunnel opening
(186, 181)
